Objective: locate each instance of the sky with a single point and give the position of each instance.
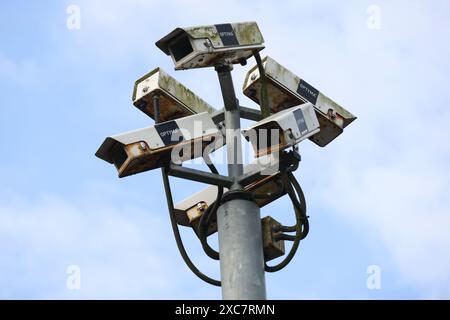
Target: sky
(377, 196)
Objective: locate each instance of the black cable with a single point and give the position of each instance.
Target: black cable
(296, 243)
(300, 216)
(205, 220)
(288, 228)
(206, 217)
(176, 231)
(302, 203)
(264, 99)
(298, 189)
(285, 237)
(301, 196)
(177, 235)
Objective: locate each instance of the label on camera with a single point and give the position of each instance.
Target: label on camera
(169, 132)
(227, 34)
(300, 119)
(307, 91)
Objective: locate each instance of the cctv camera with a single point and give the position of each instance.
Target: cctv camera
(175, 100)
(156, 146)
(283, 129)
(265, 190)
(285, 90)
(206, 46)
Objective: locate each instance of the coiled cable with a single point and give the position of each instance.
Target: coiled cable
(176, 233)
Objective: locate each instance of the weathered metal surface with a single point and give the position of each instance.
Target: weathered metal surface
(204, 46)
(273, 248)
(241, 251)
(200, 176)
(282, 129)
(196, 212)
(144, 149)
(247, 33)
(189, 211)
(266, 189)
(271, 186)
(250, 114)
(176, 101)
(184, 208)
(287, 90)
(238, 220)
(245, 113)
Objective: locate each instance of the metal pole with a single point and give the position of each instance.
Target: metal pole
(238, 220)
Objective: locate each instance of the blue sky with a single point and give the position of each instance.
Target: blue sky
(377, 195)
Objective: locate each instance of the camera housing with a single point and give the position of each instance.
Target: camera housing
(283, 129)
(175, 100)
(189, 211)
(285, 90)
(208, 46)
(151, 147)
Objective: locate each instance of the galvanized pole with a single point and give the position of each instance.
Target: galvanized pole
(238, 218)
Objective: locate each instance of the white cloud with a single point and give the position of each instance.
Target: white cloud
(407, 212)
(123, 252)
(387, 174)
